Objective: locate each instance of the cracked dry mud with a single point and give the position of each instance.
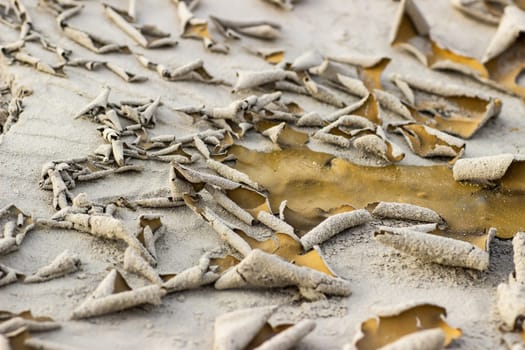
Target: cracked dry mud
(136, 108)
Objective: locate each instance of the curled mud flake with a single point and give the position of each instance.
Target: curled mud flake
(38, 64)
(257, 29)
(371, 74)
(262, 270)
(411, 32)
(150, 229)
(98, 173)
(90, 65)
(201, 147)
(147, 36)
(179, 185)
(513, 341)
(130, 13)
(359, 60)
(274, 132)
(173, 153)
(233, 112)
(144, 114)
(305, 221)
(353, 86)
(510, 296)
(61, 195)
(270, 55)
(378, 146)
(7, 245)
(192, 71)
(225, 232)
(230, 206)
(503, 57)
(231, 173)
(500, 66)
(133, 262)
(323, 93)
(198, 179)
(111, 120)
(448, 108)
(11, 325)
(220, 149)
(518, 244)
(389, 327)
(405, 89)
(344, 129)
(428, 142)
(483, 10)
(196, 28)
(311, 119)
(14, 226)
(162, 70)
(112, 137)
(350, 125)
(284, 85)
(9, 275)
(334, 225)
(289, 336)
(367, 107)
(16, 339)
(404, 211)
(434, 248)
(49, 223)
(486, 170)
(235, 330)
(97, 106)
(194, 277)
(104, 226)
(114, 294)
(152, 221)
(355, 80)
(250, 329)
(218, 225)
(4, 343)
(221, 264)
(273, 115)
(283, 4)
(261, 102)
(57, 6)
(288, 135)
(124, 74)
(289, 248)
(11, 102)
(392, 103)
(276, 224)
(252, 201)
(10, 322)
(368, 68)
(307, 60)
(153, 202)
(89, 41)
(62, 265)
(252, 79)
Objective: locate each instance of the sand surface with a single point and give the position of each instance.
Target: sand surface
(378, 275)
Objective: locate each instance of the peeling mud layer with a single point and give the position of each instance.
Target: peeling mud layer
(183, 88)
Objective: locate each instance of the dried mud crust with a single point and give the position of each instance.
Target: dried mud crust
(11, 100)
(375, 274)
